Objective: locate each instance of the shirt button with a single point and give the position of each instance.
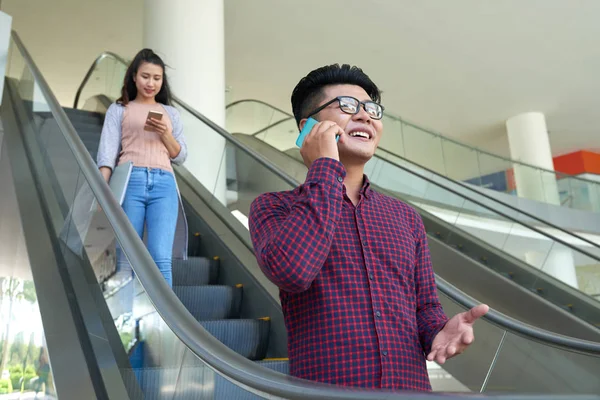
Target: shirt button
(340, 179)
(384, 353)
(371, 276)
(378, 314)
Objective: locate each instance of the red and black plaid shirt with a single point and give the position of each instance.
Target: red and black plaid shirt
(356, 284)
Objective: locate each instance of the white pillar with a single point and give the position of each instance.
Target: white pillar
(559, 263)
(189, 35)
(529, 144)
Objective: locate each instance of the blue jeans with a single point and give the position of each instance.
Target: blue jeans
(152, 199)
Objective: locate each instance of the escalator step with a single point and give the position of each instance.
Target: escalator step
(227, 390)
(195, 271)
(568, 307)
(211, 302)
(247, 337)
(279, 365)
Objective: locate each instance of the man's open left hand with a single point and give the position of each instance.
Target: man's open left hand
(457, 335)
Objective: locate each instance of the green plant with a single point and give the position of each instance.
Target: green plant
(15, 380)
(5, 386)
(15, 369)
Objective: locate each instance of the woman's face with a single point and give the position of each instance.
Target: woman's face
(148, 80)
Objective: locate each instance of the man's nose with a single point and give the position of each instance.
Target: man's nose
(362, 114)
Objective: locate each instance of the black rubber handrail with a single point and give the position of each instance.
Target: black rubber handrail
(439, 135)
(214, 353)
(498, 201)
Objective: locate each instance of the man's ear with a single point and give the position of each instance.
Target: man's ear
(302, 123)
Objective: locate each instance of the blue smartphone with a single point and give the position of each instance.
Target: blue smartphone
(310, 122)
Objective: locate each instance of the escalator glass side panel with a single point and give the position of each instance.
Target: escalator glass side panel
(251, 117)
(25, 365)
(446, 156)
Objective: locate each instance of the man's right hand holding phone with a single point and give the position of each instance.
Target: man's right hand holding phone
(321, 142)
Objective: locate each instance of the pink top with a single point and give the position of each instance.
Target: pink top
(144, 148)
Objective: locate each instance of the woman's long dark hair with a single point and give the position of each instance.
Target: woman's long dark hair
(129, 90)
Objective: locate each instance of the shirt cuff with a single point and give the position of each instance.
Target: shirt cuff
(104, 163)
(326, 170)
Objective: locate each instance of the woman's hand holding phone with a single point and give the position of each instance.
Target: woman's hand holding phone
(154, 123)
(158, 126)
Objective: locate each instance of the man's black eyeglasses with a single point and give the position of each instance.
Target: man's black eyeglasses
(350, 105)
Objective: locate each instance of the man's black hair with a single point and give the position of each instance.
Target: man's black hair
(308, 92)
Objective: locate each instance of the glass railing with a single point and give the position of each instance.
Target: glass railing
(503, 359)
(446, 156)
(25, 369)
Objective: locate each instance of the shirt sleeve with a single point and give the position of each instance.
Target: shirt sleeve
(179, 137)
(110, 138)
(431, 318)
(292, 239)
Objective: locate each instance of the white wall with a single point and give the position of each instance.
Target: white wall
(65, 36)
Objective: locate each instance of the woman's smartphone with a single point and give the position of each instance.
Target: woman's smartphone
(306, 130)
(152, 114)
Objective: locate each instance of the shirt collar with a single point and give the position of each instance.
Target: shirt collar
(366, 187)
(365, 190)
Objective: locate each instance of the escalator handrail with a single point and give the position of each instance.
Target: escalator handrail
(489, 197)
(439, 135)
(479, 193)
(222, 358)
(88, 75)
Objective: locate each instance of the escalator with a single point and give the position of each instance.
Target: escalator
(219, 334)
(247, 178)
(443, 155)
(419, 152)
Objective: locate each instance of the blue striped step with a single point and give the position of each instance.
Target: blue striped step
(247, 337)
(195, 271)
(212, 301)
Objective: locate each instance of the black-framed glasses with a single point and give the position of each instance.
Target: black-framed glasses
(351, 105)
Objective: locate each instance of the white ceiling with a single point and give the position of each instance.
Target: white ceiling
(459, 67)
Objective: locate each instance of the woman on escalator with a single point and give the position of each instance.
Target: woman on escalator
(144, 130)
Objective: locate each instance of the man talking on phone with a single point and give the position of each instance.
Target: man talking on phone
(356, 283)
